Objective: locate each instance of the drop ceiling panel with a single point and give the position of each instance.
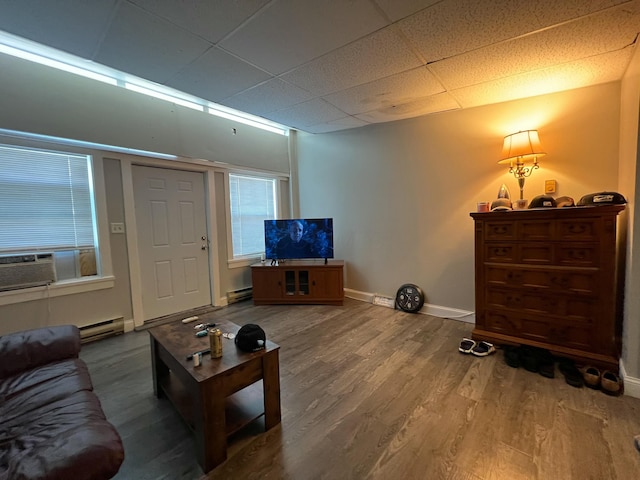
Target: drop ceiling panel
(565, 43)
(289, 33)
(74, 26)
(396, 10)
(216, 75)
(307, 113)
(440, 102)
(379, 55)
(147, 46)
(394, 90)
(314, 64)
(608, 67)
(211, 20)
(456, 26)
(334, 125)
(267, 97)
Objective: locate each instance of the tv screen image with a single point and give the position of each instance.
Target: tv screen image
(298, 238)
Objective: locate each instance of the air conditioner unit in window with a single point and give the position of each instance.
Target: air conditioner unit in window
(26, 270)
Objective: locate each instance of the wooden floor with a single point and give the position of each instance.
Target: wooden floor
(369, 392)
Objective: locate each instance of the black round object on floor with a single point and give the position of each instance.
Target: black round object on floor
(410, 298)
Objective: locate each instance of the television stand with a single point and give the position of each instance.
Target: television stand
(299, 282)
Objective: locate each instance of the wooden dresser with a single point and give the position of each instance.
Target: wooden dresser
(547, 278)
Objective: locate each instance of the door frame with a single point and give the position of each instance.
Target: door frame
(127, 163)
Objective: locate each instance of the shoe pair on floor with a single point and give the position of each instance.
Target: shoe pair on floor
(536, 360)
(479, 349)
(606, 381)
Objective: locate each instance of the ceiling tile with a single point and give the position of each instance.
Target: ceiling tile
(211, 20)
(289, 33)
(147, 46)
(608, 67)
(335, 125)
(79, 25)
(440, 102)
(456, 26)
(379, 55)
(307, 113)
(216, 75)
(267, 97)
(396, 10)
(387, 92)
(554, 46)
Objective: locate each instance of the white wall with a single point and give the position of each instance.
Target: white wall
(40, 100)
(630, 182)
(401, 193)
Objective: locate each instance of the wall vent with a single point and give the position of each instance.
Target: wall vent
(239, 295)
(89, 333)
(26, 270)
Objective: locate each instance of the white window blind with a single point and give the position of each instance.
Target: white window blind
(46, 200)
(253, 200)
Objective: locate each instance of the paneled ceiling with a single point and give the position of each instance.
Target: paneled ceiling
(326, 65)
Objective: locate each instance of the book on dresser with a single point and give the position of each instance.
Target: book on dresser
(549, 278)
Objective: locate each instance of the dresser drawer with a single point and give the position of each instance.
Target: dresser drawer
(496, 230)
(542, 329)
(576, 308)
(536, 230)
(580, 281)
(534, 253)
(577, 254)
(578, 229)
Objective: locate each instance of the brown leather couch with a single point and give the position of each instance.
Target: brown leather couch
(51, 422)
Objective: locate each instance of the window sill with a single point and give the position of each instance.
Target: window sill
(58, 289)
(243, 262)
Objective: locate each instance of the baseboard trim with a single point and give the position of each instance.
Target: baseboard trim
(427, 309)
(631, 384)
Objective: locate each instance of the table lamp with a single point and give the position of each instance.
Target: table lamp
(518, 150)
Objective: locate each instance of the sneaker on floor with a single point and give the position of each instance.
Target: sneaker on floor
(466, 345)
(483, 349)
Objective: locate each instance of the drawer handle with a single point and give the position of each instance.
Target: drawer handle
(500, 230)
(577, 254)
(500, 252)
(577, 228)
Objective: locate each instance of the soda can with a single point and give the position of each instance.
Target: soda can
(215, 340)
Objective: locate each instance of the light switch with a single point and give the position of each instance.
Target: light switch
(549, 186)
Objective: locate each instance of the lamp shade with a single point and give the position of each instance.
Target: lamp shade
(521, 146)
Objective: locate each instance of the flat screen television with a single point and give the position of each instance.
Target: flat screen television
(298, 238)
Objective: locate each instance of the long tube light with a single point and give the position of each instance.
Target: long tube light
(34, 52)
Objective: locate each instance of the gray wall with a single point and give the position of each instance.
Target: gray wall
(401, 193)
(40, 100)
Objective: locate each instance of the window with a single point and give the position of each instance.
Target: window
(46, 205)
(253, 200)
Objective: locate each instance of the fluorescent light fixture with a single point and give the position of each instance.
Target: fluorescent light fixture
(35, 52)
(247, 120)
(32, 57)
(163, 96)
(83, 144)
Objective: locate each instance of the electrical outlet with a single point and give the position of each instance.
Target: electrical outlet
(117, 228)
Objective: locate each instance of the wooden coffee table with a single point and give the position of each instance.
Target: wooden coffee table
(222, 395)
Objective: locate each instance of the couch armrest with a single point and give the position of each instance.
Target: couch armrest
(25, 350)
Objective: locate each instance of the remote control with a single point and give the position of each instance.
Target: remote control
(189, 319)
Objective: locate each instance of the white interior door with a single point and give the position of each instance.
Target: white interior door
(173, 248)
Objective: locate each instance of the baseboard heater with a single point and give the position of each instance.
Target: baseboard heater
(108, 328)
(239, 295)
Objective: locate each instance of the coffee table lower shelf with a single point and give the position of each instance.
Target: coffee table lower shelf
(241, 408)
